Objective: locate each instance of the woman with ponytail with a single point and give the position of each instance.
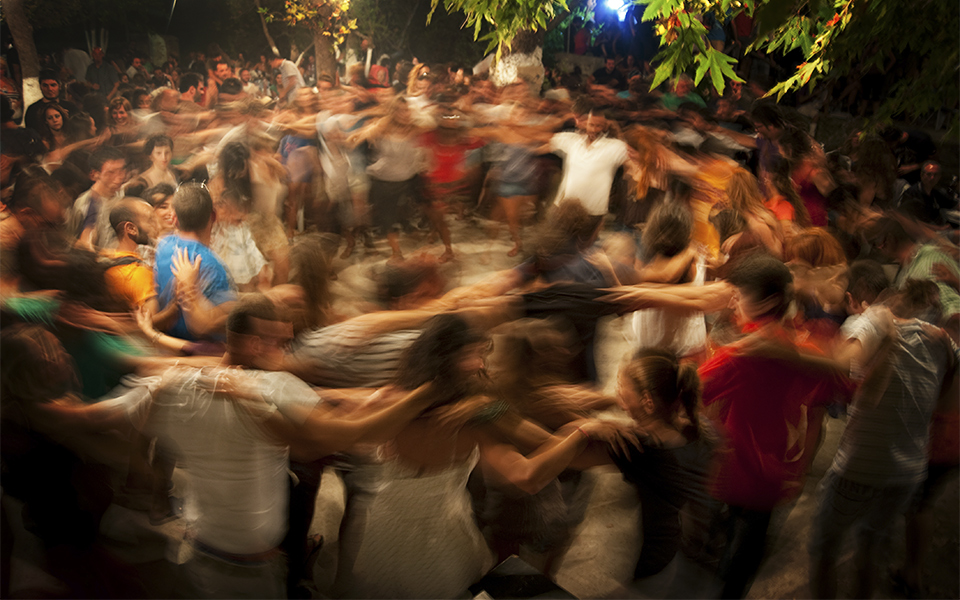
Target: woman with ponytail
(669, 465)
(666, 459)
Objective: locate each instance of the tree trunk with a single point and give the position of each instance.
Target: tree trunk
(326, 61)
(22, 34)
(266, 32)
(523, 60)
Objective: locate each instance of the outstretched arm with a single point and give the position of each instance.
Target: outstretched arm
(705, 298)
(532, 473)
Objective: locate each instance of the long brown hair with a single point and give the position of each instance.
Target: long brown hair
(674, 386)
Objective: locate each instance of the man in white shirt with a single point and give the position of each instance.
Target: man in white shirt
(590, 162)
(232, 428)
(291, 79)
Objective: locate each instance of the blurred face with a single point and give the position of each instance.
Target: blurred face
(245, 76)
(267, 342)
(166, 217)
(143, 101)
(160, 157)
(52, 206)
(746, 308)
(930, 176)
(472, 359)
(593, 125)
(423, 80)
(767, 131)
(223, 71)
(50, 89)
(610, 64)
(137, 63)
(54, 120)
(97, 54)
(684, 87)
(147, 226)
(227, 212)
(119, 114)
(629, 398)
(305, 100)
(112, 175)
(449, 118)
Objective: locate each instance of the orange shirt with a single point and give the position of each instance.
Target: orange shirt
(131, 283)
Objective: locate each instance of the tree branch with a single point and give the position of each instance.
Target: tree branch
(304, 53)
(266, 32)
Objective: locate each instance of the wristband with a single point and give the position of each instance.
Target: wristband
(585, 436)
(156, 336)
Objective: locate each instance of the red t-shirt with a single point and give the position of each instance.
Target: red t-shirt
(447, 162)
(769, 411)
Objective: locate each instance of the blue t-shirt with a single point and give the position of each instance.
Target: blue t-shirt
(215, 282)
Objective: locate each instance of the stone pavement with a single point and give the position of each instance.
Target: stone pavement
(601, 557)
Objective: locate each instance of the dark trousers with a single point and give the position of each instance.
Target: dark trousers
(303, 500)
(746, 544)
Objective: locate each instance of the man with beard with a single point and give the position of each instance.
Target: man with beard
(128, 278)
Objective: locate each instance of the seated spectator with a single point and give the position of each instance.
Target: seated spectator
(925, 201)
(683, 91)
(609, 75)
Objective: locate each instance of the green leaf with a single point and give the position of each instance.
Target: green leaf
(704, 64)
(660, 75)
(654, 10)
(771, 14)
(716, 77)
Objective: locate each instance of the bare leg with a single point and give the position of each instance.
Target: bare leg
(292, 206)
(435, 214)
(393, 238)
(512, 209)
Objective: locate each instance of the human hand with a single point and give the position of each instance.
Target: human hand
(620, 436)
(186, 271)
(145, 321)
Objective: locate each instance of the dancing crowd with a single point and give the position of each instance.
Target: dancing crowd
(169, 239)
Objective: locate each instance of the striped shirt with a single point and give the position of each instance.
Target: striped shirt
(346, 355)
(885, 441)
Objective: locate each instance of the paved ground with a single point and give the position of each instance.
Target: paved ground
(606, 544)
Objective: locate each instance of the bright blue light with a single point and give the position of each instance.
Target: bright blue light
(619, 6)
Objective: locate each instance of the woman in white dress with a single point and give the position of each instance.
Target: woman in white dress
(409, 529)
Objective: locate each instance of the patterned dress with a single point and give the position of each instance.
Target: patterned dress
(409, 535)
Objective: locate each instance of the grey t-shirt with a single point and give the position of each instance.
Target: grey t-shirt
(290, 71)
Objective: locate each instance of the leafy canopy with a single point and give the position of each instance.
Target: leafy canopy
(507, 18)
(836, 37)
(327, 18)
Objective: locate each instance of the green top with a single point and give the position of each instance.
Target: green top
(99, 357)
(920, 266)
(672, 102)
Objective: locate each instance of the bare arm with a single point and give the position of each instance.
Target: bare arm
(668, 270)
(706, 298)
(328, 434)
(531, 474)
